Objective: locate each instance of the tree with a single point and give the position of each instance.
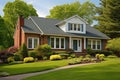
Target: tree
(11, 12)
(85, 10)
(3, 32)
(114, 45)
(23, 51)
(109, 18)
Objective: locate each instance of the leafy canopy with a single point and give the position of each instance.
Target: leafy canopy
(109, 17)
(11, 12)
(85, 10)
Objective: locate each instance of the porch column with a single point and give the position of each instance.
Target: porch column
(70, 45)
(84, 43)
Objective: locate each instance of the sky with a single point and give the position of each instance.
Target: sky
(43, 6)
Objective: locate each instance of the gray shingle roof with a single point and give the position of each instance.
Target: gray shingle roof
(48, 26)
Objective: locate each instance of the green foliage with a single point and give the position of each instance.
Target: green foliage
(112, 56)
(23, 51)
(3, 34)
(43, 50)
(32, 54)
(45, 58)
(72, 55)
(11, 12)
(94, 52)
(17, 57)
(55, 57)
(1, 48)
(109, 17)
(85, 10)
(114, 45)
(10, 59)
(100, 56)
(28, 59)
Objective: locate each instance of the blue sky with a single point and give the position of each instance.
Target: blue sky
(43, 6)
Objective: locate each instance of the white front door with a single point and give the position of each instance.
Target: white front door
(76, 45)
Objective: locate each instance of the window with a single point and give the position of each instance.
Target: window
(98, 44)
(52, 42)
(89, 43)
(32, 42)
(94, 44)
(57, 42)
(75, 27)
(62, 42)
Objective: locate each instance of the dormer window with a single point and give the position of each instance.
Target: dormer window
(75, 27)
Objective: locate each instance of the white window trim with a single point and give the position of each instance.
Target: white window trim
(95, 44)
(76, 31)
(59, 42)
(32, 42)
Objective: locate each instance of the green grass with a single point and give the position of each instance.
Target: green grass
(32, 67)
(107, 70)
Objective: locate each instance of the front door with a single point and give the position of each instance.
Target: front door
(76, 45)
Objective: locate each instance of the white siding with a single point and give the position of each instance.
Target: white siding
(74, 20)
(63, 27)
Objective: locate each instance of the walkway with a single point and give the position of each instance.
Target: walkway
(21, 76)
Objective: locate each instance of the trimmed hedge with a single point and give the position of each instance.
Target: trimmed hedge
(94, 52)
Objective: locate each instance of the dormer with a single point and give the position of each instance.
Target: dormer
(74, 24)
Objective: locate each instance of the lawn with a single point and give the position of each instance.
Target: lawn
(32, 67)
(107, 70)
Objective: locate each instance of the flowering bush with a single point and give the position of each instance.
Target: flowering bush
(55, 57)
(28, 59)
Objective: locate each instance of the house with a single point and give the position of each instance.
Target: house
(72, 33)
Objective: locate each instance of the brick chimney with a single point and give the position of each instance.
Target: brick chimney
(18, 32)
(21, 21)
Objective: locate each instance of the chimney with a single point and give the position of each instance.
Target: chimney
(21, 21)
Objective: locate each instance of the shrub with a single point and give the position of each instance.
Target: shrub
(10, 59)
(1, 48)
(64, 56)
(23, 51)
(43, 50)
(28, 59)
(100, 56)
(112, 56)
(55, 57)
(72, 55)
(45, 58)
(32, 54)
(114, 45)
(94, 52)
(87, 56)
(69, 58)
(17, 57)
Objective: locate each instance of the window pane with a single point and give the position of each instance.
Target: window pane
(75, 27)
(57, 42)
(62, 42)
(98, 44)
(94, 44)
(69, 26)
(78, 27)
(29, 42)
(89, 43)
(35, 42)
(81, 26)
(52, 42)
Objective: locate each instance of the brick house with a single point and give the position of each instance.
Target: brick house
(72, 33)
